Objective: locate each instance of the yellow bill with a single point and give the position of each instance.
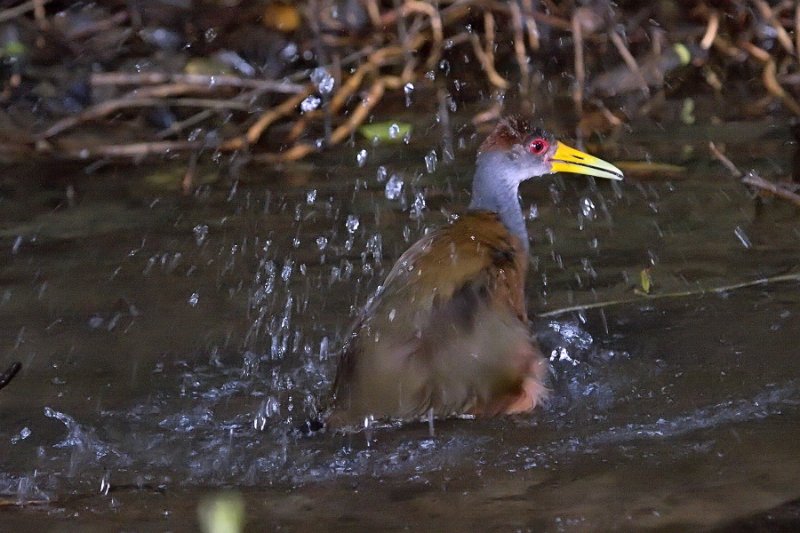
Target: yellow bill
(568, 159)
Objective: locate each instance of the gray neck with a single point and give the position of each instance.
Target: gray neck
(495, 188)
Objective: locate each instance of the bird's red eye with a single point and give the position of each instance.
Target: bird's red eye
(538, 146)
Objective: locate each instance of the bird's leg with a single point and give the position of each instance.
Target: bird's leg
(533, 389)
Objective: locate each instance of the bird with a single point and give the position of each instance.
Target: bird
(446, 333)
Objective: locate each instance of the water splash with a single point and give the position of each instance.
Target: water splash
(394, 187)
(323, 80)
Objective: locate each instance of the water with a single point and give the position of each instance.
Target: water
(172, 345)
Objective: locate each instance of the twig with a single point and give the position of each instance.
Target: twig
(780, 31)
(202, 80)
(711, 31)
(580, 67)
(269, 117)
(98, 26)
(727, 163)
(680, 294)
(191, 171)
(758, 182)
(111, 106)
(126, 150)
(774, 87)
(629, 60)
(797, 28)
(8, 375)
(519, 47)
(16, 11)
(415, 6)
(486, 55)
(530, 24)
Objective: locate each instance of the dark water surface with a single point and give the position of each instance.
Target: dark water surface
(170, 345)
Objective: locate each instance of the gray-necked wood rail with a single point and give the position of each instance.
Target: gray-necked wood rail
(447, 331)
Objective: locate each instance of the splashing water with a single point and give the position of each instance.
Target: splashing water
(394, 187)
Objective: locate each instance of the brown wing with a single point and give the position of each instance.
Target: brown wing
(447, 330)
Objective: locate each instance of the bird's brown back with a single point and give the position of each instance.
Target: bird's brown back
(447, 330)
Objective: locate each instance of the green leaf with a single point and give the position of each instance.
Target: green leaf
(386, 131)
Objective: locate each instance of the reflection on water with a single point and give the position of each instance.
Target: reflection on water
(171, 346)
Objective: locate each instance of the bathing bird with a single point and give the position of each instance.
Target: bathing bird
(447, 331)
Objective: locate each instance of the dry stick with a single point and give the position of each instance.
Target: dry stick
(629, 60)
(519, 47)
(374, 13)
(797, 28)
(488, 66)
(727, 163)
(148, 96)
(437, 30)
(530, 24)
(774, 87)
(98, 26)
(753, 179)
(580, 67)
(16, 11)
(374, 61)
(780, 32)
(267, 119)
(711, 31)
(132, 150)
(758, 53)
(679, 294)
(486, 56)
(191, 170)
(246, 98)
(202, 80)
(357, 116)
(757, 181)
(348, 88)
(106, 108)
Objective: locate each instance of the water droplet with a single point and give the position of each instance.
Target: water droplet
(194, 134)
(22, 435)
(419, 205)
(533, 212)
(361, 158)
(381, 174)
(374, 248)
(268, 409)
(444, 66)
(352, 223)
(394, 131)
(430, 161)
(311, 196)
(200, 233)
(210, 34)
(105, 484)
(408, 90)
(394, 187)
(194, 299)
(323, 80)
(587, 207)
(311, 103)
(286, 271)
(322, 242)
(289, 53)
(742, 236)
